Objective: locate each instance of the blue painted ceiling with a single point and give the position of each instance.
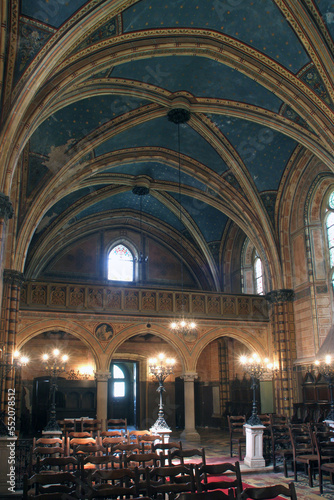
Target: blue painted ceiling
(127, 100)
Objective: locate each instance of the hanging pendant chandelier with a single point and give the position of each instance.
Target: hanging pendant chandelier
(183, 326)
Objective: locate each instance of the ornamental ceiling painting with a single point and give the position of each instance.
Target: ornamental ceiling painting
(87, 86)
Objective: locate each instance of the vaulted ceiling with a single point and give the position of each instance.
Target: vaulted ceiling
(87, 89)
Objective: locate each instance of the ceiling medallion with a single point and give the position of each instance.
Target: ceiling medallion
(178, 115)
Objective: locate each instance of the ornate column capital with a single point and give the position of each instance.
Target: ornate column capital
(6, 207)
(13, 277)
(102, 376)
(189, 376)
(284, 295)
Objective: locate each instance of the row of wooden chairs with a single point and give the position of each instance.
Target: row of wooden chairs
(183, 482)
(92, 424)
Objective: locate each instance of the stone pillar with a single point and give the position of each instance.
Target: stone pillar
(6, 212)
(189, 433)
(282, 317)
(102, 396)
(9, 318)
(254, 446)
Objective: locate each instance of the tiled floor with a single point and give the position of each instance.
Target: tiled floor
(216, 444)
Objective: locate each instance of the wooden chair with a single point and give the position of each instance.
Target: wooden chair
(73, 434)
(65, 464)
(48, 442)
(146, 440)
(117, 423)
(67, 425)
(237, 434)
(209, 477)
(91, 463)
(53, 482)
(164, 448)
(303, 449)
(73, 442)
(142, 460)
(118, 476)
(40, 452)
(110, 442)
(189, 456)
(171, 481)
(89, 449)
(281, 447)
(133, 435)
(124, 449)
(269, 492)
(92, 425)
(324, 446)
(208, 495)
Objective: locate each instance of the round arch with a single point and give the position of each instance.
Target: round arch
(255, 339)
(162, 332)
(31, 331)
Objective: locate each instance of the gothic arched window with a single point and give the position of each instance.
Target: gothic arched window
(258, 275)
(330, 234)
(120, 264)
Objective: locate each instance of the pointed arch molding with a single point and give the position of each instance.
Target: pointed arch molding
(28, 104)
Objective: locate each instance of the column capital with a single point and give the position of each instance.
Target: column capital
(284, 295)
(189, 376)
(13, 277)
(101, 376)
(6, 207)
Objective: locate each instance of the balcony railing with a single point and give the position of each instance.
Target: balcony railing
(136, 301)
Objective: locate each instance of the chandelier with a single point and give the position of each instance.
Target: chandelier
(183, 326)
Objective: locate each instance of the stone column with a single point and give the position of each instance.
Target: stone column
(9, 318)
(189, 433)
(284, 346)
(102, 396)
(6, 213)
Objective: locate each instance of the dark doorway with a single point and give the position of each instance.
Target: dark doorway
(123, 391)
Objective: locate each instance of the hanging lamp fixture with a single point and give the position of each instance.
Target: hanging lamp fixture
(183, 325)
(141, 191)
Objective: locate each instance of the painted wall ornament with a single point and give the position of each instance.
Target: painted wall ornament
(104, 332)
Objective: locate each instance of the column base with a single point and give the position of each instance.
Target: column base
(190, 435)
(254, 463)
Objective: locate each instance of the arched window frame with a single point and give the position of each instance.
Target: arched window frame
(131, 247)
(249, 255)
(258, 277)
(329, 234)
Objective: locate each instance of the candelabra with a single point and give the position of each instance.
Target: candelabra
(255, 367)
(54, 364)
(8, 363)
(326, 369)
(161, 368)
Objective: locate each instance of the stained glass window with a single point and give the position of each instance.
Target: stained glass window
(258, 275)
(120, 264)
